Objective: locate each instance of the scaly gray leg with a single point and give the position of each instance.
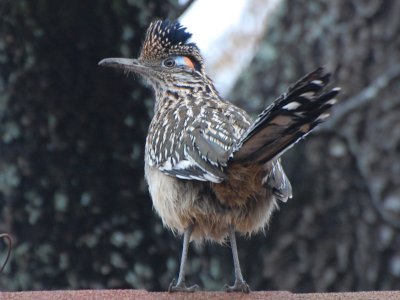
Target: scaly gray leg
(180, 286)
(240, 285)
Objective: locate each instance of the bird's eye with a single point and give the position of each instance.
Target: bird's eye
(169, 63)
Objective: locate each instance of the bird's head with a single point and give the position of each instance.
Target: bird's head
(167, 58)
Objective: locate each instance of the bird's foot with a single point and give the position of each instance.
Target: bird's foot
(181, 287)
(239, 286)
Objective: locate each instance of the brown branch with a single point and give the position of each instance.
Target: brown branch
(9, 242)
(341, 110)
(366, 96)
(373, 192)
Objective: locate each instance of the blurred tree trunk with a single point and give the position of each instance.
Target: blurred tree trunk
(340, 232)
(72, 192)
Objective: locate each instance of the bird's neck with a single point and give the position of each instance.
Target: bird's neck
(169, 94)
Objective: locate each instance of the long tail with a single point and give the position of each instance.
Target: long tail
(291, 117)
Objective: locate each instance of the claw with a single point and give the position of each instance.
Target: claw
(181, 287)
(239, 286)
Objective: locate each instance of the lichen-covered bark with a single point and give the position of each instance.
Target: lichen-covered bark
(340, 232)
(72, 193)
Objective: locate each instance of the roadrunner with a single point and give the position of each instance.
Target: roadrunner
(212, 171)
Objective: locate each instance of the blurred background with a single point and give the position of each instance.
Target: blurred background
(72, 192)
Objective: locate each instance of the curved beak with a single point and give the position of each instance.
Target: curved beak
(124, 64)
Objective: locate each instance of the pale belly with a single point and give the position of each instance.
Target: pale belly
(181, 203)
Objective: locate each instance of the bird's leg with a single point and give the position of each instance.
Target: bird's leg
(240, 285)
(180, 286)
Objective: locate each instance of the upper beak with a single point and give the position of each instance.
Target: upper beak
(123, 63)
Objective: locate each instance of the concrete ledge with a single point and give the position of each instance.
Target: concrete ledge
(141, 294)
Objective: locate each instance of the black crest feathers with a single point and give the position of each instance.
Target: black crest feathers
(164, 38)
(171, 31)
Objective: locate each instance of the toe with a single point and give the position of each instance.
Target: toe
(181, 287)
(239, 286)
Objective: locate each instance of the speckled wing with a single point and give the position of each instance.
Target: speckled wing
(203, 146)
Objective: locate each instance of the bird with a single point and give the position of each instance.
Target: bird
(213, 171)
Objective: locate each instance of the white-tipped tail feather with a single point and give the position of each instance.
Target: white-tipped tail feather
(290, 118)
